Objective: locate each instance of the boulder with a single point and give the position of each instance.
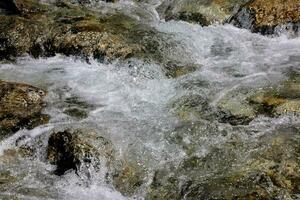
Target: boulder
(204, 12)
(79, 150)
(20, 107)
(71, 30)
(268, 16)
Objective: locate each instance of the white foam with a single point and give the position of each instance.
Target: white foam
(129, 103)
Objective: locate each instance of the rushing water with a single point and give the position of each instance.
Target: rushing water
(130, 103)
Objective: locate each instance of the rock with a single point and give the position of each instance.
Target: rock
(237, 169)
(280, 99)
(70, 30)
(88, 2)
(82, 31)
(77, 113)
(7, 179)
(22, 7)
(191, 107)
(292, 106)
(79, 150)
(20, 107)
(9, 7)
(204, 12)
(174, 70)
(267, 16)
(19, 36)
(129, 178)
(235, 111)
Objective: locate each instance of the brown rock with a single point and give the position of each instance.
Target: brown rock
(265, 15)
(20, 106)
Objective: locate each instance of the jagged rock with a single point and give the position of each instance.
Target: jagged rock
(20, 107)
(78, 150)
(268, 16)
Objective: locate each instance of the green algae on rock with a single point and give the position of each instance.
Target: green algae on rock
(20, 107)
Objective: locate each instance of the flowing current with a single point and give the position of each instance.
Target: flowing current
(132, 104)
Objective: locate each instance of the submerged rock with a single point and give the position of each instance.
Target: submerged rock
(174, 70)
(129, 178)
(268, 16)
(79, 150)
(20, 107)
(285, 98)
(191, 107)
(235, 111)
(237, 169)
(278, 99)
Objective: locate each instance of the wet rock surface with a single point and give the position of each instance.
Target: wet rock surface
(273, 101)
(204, 12)
(20, 107)
(71, 29)
(178, 112)
(268, 17)
(269, 171)
(78, 150)
(60, 28)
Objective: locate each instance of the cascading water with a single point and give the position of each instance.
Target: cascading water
(135, 105)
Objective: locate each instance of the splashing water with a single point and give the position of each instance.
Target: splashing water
(129, 102)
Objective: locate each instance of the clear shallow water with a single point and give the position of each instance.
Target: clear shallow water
(130, 103)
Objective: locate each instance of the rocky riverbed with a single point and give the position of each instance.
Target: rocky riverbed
(139, 99)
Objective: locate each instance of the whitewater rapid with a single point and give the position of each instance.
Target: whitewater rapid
(129, 101)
